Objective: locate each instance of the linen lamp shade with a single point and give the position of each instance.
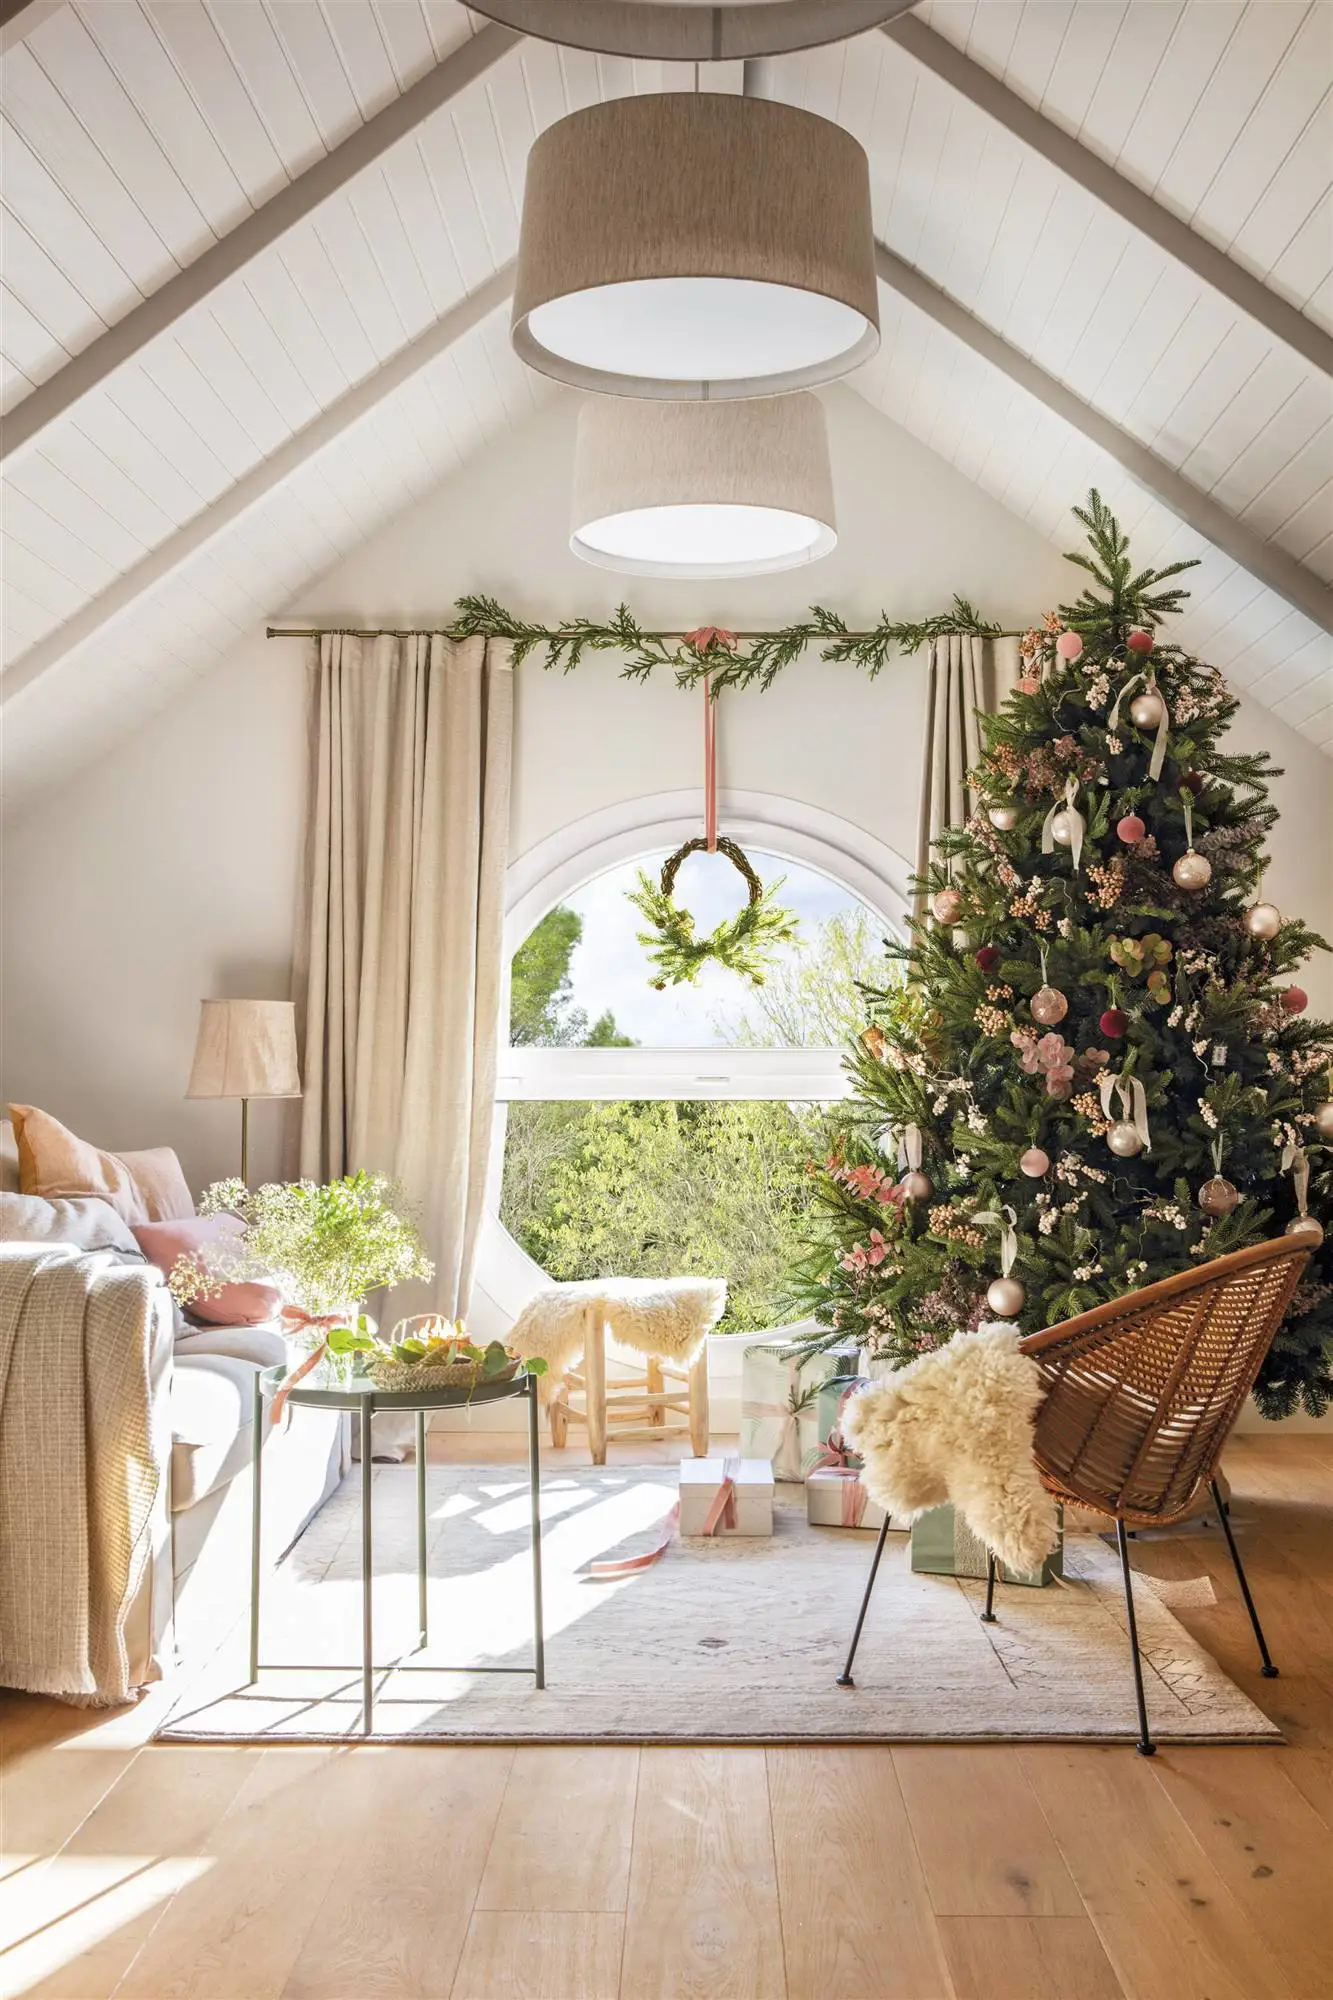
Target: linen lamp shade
(699, 490)
(245, 1048)
(691, 30)
(695, 247)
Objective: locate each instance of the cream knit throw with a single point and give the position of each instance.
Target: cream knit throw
(669, 1317)
(84, 1440)
(957, 1425)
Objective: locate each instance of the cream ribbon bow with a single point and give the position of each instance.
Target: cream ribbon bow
(1148, 682)
(1133, 1104)
(1080, 824)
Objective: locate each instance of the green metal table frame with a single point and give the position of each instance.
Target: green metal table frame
(363, 1399)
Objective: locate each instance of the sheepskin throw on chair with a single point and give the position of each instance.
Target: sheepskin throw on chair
(668, 1317)
(957, 1425)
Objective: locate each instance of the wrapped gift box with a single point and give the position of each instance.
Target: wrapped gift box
(829, 1405)
(748, 1508)
(944, 1545)
(835, 1498)
(779, 1399)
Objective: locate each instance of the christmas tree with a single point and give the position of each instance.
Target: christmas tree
(1092, 1068)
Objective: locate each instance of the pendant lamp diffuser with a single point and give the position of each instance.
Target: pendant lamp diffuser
(699, 490)
(695, 246)
(691, 30)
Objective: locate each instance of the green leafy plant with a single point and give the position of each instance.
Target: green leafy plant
(445, 1343)
(744, 944)
(323, 1245)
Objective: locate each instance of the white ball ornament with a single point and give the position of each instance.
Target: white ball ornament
(1146, 710)
(1306, 1229)
(1218, 1196)
(1035, 1163)
(946, 906)
(1048, 1005)
(1066, 826)
(1124, 1141)
(1192, 871)
(917, 1186)
(1004, 818)
(1263, 920)
(1323, 1122)
(1005, 1296)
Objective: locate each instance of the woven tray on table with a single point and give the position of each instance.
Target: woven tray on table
(407, 1376)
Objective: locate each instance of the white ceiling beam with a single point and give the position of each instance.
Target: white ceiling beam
(249, 492)
(1212, 266)
(19, 17)
(1263, 560)
(240, 246)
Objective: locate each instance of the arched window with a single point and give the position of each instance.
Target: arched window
(645, 1132)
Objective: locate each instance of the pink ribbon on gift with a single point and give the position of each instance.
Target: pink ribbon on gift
(722, 1513)
(834, 1454)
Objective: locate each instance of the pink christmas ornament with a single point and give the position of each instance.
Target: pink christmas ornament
(1035, 1163)
(1069, 646)
(1295, 1000)
(1131, 829)
(946, 906)
(1139, 641)
(1029, 684)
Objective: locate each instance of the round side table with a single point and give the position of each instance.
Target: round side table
(327, 1388)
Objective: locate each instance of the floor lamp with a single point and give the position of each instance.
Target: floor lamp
(245, 1049)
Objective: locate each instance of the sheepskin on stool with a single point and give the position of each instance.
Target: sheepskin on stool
(668, 1317)
(957, 1425)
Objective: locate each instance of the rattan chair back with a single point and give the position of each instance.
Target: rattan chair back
(1142, 1393)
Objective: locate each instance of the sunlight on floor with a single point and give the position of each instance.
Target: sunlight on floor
(77, 1901)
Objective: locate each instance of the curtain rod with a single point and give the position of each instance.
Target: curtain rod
(414, 631)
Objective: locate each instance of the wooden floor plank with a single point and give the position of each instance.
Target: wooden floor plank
(1027, 1958)
(702, 1922)
(565, 1829)
(983, 1840)
(110, 1884)
(1169, 1925)
(239, 1928)
(856, 1917)
(540, 1955)
(1270, 1847)
(420, 1832)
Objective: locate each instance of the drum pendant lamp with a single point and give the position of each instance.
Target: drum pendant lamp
(695, 246)
(699, 490)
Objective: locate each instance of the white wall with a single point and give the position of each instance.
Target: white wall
(169, 872)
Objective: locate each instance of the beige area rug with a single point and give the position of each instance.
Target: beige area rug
(721, 1641)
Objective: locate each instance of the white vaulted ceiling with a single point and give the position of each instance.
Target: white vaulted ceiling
(255, 278)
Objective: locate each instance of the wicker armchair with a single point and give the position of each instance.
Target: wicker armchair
(1141, 1396)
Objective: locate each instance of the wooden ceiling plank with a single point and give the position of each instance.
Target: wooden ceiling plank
(265, 226)
(1246, 292)
(1281, 572)
(253, 488)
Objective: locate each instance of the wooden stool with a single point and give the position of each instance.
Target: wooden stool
(637, 1407)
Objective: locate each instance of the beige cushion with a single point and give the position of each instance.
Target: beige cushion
(56, 1163)
(85, 1221)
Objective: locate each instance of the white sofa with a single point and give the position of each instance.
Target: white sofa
(197, 1581)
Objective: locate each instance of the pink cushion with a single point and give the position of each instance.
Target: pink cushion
(247, 1303)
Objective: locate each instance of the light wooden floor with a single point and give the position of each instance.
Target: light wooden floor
(918, 1873)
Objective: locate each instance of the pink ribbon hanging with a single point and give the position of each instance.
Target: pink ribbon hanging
(294, 1319)
(710, 767)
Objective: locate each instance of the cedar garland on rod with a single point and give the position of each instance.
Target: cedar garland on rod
(726, 659)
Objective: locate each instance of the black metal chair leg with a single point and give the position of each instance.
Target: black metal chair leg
(1146, 1746)
(988, 1615)
(845, 1677)
(1224, 1515)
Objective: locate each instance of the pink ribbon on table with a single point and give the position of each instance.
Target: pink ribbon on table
(294, 1318)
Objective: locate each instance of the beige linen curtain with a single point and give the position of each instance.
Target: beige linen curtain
(408, 839)
(964, 674)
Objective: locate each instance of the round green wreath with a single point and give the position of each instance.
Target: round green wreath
(745, 945)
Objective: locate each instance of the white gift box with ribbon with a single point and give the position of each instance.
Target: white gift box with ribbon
(726, 1496)
(835, 1498)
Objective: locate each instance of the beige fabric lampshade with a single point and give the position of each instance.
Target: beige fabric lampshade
(246, 1048)
(692, 30)
(702, 489)
(695, 247)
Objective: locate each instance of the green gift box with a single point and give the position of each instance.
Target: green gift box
(829, 1407)
(944, 1545)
